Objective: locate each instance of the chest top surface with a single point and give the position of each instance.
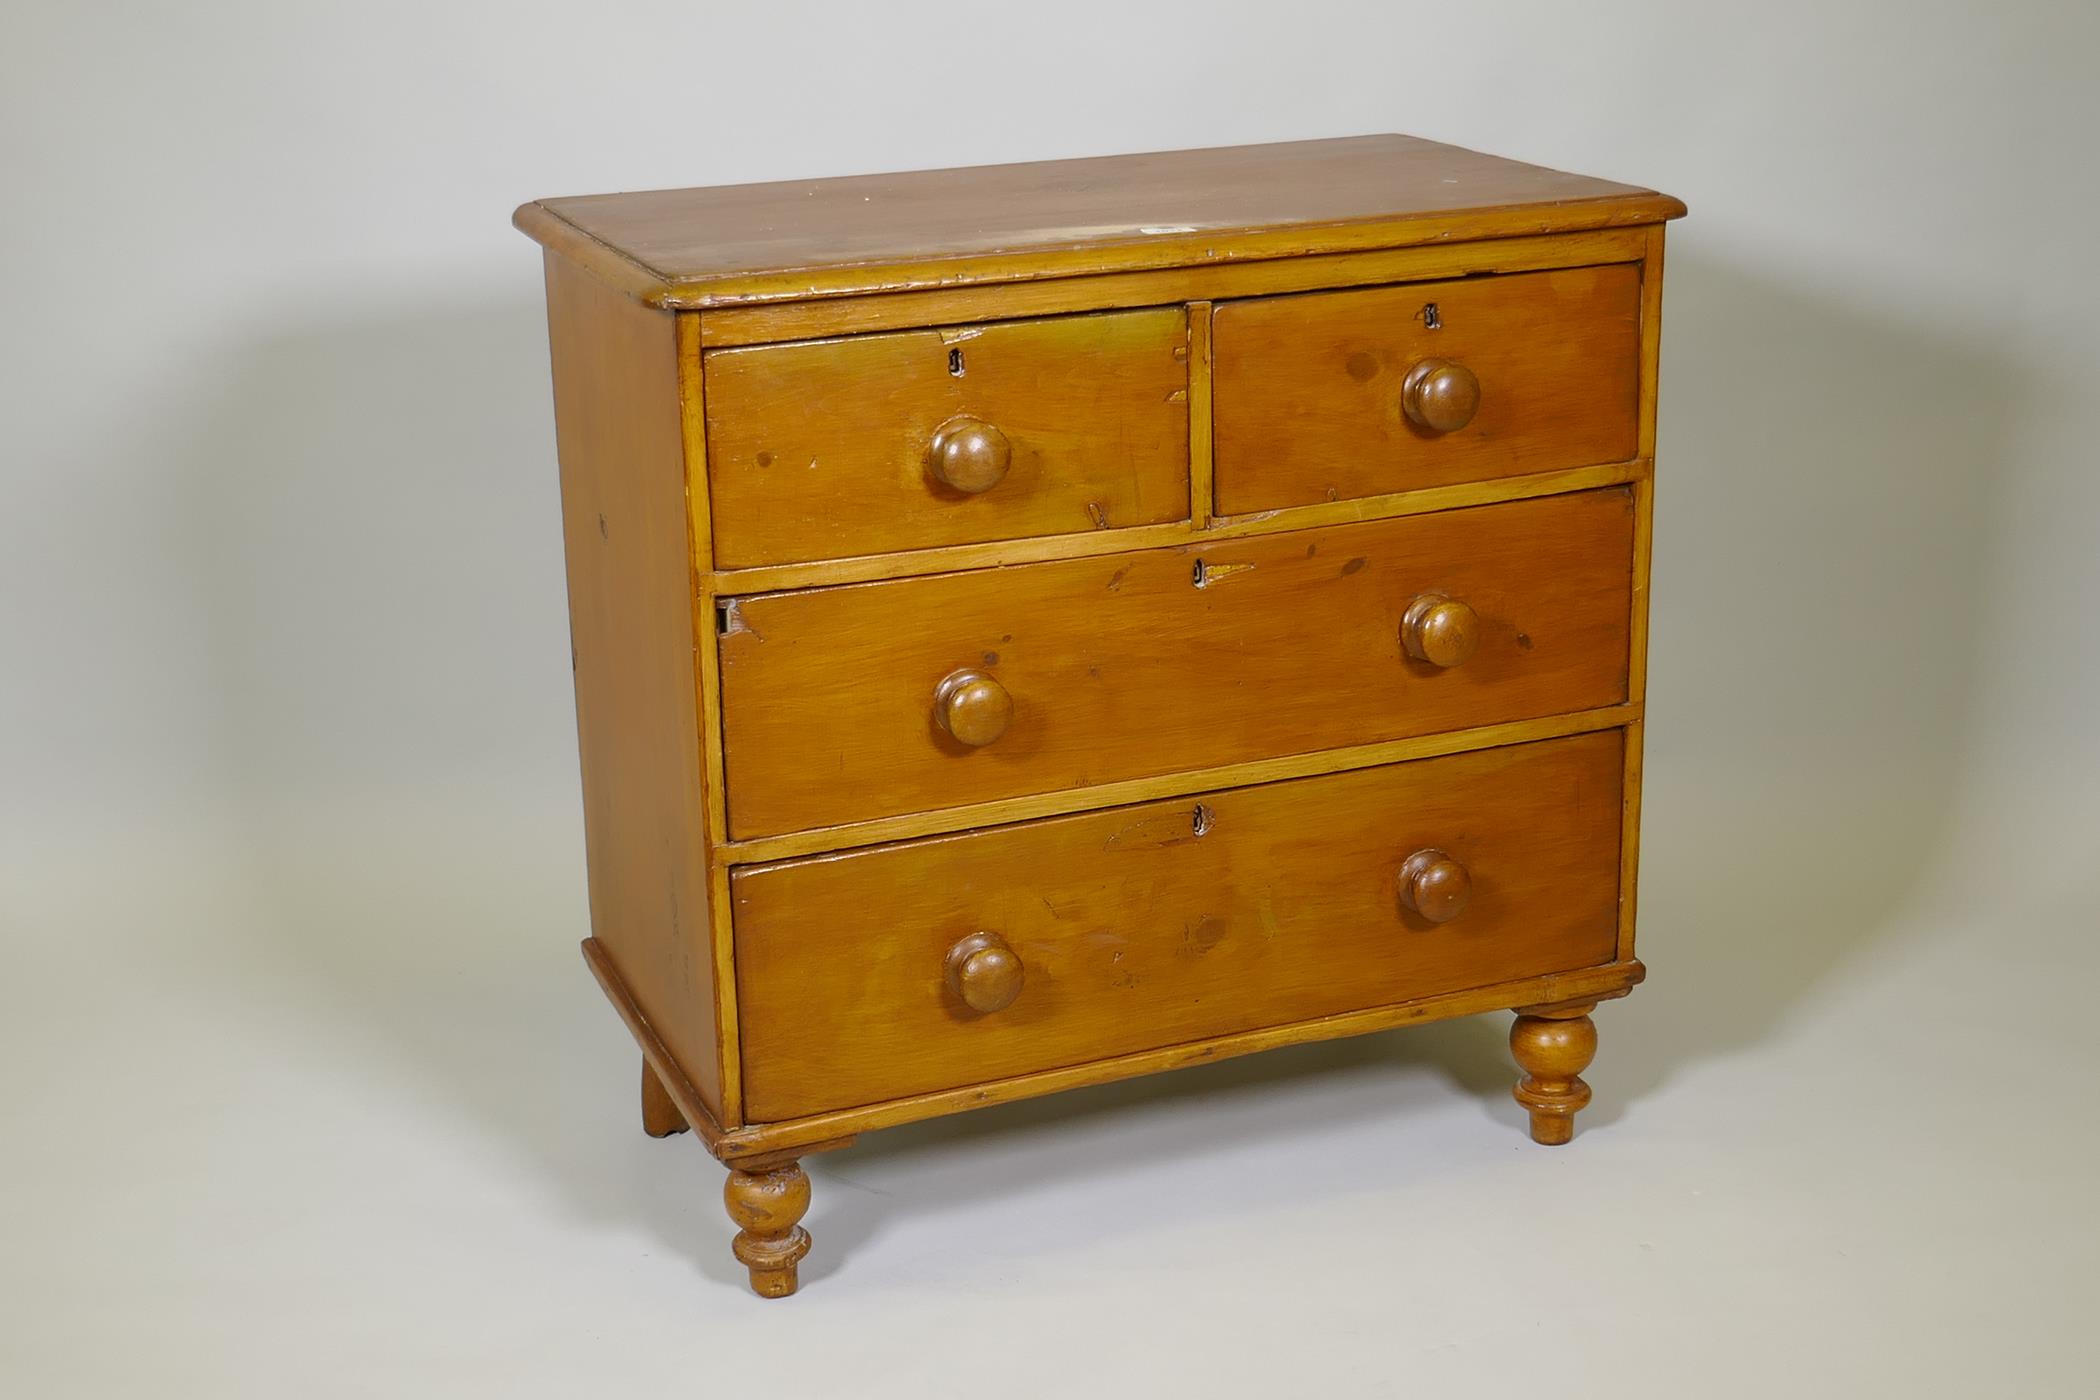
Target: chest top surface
(798, 239)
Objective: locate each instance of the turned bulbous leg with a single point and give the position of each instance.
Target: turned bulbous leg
(660, 1115)
(766, 1206)
(1553, 1047)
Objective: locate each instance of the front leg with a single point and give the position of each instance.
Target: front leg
(1553, 1045)
(766, 1204)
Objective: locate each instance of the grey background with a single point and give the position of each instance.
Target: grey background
(301, 1068)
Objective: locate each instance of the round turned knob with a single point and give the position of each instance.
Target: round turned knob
(972, 706)
(1439, 629)
(984, 972)
(1435, 885)
(1440, 395)
(969, 455)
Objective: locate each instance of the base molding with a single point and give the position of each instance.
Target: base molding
(757, 1145)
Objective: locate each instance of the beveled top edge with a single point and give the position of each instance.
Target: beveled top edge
(853, 235)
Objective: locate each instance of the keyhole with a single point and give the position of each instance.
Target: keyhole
(1430, 319)
(955, 362)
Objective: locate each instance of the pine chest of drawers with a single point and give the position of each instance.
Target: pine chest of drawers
(1043, 624)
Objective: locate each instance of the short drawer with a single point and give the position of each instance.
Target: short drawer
(1339, 394)
(869, 700)
(871, 444)
(934, 964)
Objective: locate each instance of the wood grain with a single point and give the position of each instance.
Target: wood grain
(762, 849)
(1651, 333)
(954, 558)
(1170, 921)
(660, 1115)
(1308, 394)
(692, 414)
(820, 450)
(1553, 1046)
(692, 428)
(674, 1081)
(760, 1145)
(1585, 985)
(630, 572)
(1201, 506)
(1143, 674)
(763, 323)
(767, 1207)
(1166, 660)
(1643, 556)
(799, 239)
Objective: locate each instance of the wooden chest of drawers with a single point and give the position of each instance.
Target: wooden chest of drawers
(1048, 623)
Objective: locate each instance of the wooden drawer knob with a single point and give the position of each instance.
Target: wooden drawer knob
(984, 972)
(972, 706)
(1440, 395)
(1439, 629)
(969, 455)
(1435, 885)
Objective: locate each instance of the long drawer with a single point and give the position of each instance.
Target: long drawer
(857, 702)
(956, 960)
(867, 444)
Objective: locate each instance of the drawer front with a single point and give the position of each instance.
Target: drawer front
(1314, 400)
(1138, 927)
(1159, 661)
(827, 449)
